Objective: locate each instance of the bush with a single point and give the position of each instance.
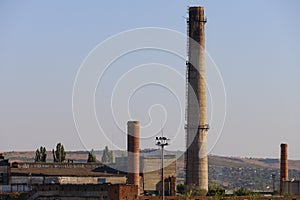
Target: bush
(243, 192)
(214, 190)
(194, 191)
(180, 188)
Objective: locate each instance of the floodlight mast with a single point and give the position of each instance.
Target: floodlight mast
(162, 142)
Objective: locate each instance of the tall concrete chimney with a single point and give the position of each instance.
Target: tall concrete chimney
(197, 127)
(284, 169)
(133, 148)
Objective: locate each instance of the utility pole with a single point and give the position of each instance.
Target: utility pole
(162, 142)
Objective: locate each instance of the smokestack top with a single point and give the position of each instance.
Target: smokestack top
(283, 145)
(133, 122)
(196, 8)
(196, 14)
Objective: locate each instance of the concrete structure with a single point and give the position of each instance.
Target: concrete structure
(284, 169)
(133, 146)
(291, 187)
(150, 172)
(197, 127)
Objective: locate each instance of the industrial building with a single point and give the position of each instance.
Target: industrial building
(25, 176)
(141, 171)
(63, 173)
(127, 173)
(150, 173)
(145, 171)
(4, 170)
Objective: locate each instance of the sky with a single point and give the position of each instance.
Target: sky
(254, 45)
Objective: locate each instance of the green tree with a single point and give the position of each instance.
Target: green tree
(91, 156)
(59, 155)
(40, 155)
(43, 153)
(37, 157)
(107, 156)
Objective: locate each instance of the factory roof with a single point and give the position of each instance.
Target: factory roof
(59, 172)
(103, 171)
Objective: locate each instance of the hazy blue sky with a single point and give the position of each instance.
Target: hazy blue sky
(255, 45)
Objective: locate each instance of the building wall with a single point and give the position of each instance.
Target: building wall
(90, 180)
(28, 180)
(291, 187)
(39, 180)
(101, 191)
(150, 168)
(123, 192)
(68, 192)
(122, 162)
(14, 188)
(152, 171)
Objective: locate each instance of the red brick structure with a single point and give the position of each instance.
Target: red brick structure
(284, 169)
(123, 192)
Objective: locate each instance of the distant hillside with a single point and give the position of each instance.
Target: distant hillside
(28, 156)
(251, 173)
(254, 162)
(230, 172)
